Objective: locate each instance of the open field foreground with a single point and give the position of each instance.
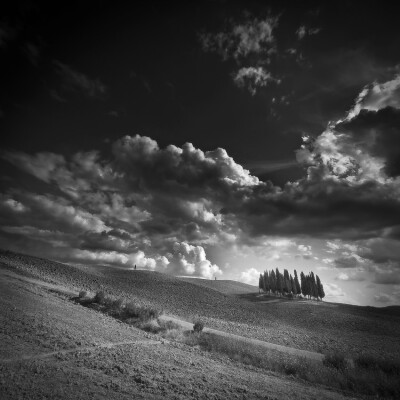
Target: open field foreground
(51, 347)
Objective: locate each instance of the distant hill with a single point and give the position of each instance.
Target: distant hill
(223, 286)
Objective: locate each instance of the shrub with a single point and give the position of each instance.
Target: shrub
(368, 362)
(116, 304)
(336, 361)
(99, 298)
(150, 326)
(141, 313)
(198, 326)
(168, 325)
(173, 334)
(83, 294)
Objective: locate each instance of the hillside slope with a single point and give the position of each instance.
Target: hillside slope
(310, 326)
(223, 286)
(53, 348)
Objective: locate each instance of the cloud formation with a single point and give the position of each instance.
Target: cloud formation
(166, 207)
(250, 276)
(239, 40)
(252, 78)
(303, 31)
(253, 38)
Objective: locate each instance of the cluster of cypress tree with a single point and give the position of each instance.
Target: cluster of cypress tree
(281, 284)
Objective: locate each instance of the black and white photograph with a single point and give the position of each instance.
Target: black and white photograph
(199, 199)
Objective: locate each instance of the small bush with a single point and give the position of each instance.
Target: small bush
(336, 361)
(368, 362)
(150, 326)
(198, 326)
(83, 294)
(192, 338)
(116, 304)
(168, 325)
(173, 334)
(99, 298)
(141, 313)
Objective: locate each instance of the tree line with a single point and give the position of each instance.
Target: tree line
(285, 284)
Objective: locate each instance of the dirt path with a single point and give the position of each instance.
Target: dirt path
(268, 301)
(271, 346)
(79, 349)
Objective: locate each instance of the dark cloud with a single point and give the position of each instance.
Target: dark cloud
(165, 205)
(378, 132)
(387, 278)
(347, 262)
(381, 250)
(383, 298)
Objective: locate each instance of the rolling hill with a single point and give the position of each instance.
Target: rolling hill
(302, 325)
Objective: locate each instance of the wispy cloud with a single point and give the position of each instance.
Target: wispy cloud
(241, 41)
(32, 51)
(75, 81)
(7, 34)
(259, 167)
(253, 35)
(252, 78)
(304, 31)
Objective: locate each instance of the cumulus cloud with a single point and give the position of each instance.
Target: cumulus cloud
(250, 276)
(377, 96)
(252, 78)
(75, 81)
(305, 251)
(192, 260)
(145, 198)
(332, 290)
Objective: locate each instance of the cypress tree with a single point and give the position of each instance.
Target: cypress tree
(279, 281)
(260, 283)
(320, 287)
(266, 281)
(286, 278)
(314, 289)
(272, 281)
(296, 282)
(303, 284)
(293, 285)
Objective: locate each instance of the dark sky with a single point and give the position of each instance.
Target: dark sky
(304, 95)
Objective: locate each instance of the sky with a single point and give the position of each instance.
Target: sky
(208, 139)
